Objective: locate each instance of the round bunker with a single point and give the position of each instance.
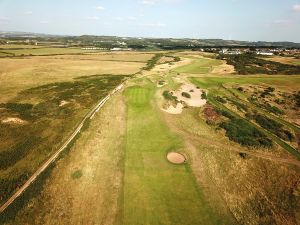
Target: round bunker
(176, 158)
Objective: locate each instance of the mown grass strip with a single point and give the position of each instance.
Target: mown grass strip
(156, 191)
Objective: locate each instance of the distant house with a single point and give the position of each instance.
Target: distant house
(230, 51)
(92, 48)
(265, 53)
(121, 49)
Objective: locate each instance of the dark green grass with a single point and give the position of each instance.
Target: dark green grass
(283, 81)
(156, 191)
(244, 133)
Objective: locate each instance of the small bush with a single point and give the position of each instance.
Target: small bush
(77, 174)
(186, 95)
(225, 113)
(239, 105)
(297, 99)
(161, 82)
(243, 155)
(203, 95)
(168, 96)
(220, 99)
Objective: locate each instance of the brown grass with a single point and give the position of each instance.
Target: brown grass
(284, 60)
(85, 186)
(17, 74)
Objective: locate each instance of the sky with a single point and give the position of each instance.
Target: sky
(247, 20)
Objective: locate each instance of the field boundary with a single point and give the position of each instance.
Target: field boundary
(45, 165)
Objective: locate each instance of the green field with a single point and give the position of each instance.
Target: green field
(156, 191)
(209, 82)
(199, 66)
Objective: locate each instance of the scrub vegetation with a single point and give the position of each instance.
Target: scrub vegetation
(44, 125)
(250, 64)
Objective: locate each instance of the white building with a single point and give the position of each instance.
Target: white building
(265, 53)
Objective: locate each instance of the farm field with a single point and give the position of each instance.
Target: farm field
(238, 135)
(44, 51)
(19, 46)
(23, 73)
(285, 60)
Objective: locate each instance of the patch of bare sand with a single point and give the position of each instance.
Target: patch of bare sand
(223, 69)
(14, 120)
(165, 59)
(195, 100)
(62, 103)
(176, 158)
(166, 66)
(174, 109)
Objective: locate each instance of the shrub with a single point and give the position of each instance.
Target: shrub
(203, 95)
(251, 64)
(77, 174)
(24, 110)
(161, 82)
(168, 96)
(297, 99)
(274, 127)
(273, 109)
(186, 95)
(225, 113)
(152, 62)
(239, 105)
(243, 155)
(244, 133)
(220, 99)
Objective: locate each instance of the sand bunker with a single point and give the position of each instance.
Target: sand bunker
(174, 110)
(176, 158)
(194, 99)
(62, 103)
(14, 120)
(195, 93)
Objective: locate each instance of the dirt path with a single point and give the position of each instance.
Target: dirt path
(90, 115)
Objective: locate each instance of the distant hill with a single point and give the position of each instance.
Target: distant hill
(142, 42)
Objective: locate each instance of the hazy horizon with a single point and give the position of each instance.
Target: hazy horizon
(229, 20)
